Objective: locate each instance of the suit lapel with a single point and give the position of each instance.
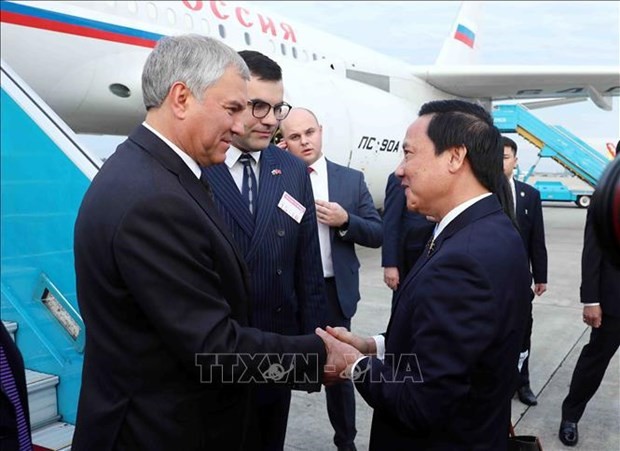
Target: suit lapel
(228, 196)
(481, 208)
(269, 186)
(172, 162)
(334, 187)
(520, 196)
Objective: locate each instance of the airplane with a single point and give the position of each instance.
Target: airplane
(92, 53)
(85, 58)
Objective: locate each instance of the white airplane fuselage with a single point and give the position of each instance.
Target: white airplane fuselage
(85, 59)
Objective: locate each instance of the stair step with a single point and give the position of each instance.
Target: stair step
(42, 400)
(54, 437)
(11, 327)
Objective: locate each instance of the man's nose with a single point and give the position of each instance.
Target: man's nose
(270, 119)
(237, 125)
(400, 169)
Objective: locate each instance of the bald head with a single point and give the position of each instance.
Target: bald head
(303, 135)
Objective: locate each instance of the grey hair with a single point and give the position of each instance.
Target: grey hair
(195, 60)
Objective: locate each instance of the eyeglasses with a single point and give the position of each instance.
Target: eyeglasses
(261, 109)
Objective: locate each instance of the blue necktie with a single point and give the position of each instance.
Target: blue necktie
(248, 186)
(9, 387)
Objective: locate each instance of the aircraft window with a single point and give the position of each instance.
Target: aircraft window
(283, 49)
(120, 90)
(132, 7)
(172, 17)
(294, 49)
(222, 31)
(151, 11)
(189, 23)
(314, 58)
(247, 37)
(205, 26)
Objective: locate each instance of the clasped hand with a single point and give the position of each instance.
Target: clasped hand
(343, 350)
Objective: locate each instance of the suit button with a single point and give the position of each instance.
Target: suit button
(279, 309)
(280, 232)
(279, 271)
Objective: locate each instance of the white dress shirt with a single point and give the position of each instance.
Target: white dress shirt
(320, 189)
(236, 167)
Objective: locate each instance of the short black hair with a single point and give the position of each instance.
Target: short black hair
(261, 66)
(507, 142)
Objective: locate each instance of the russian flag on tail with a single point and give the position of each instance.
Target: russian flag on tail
(465, 35)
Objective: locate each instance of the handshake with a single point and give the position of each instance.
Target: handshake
(343, 350)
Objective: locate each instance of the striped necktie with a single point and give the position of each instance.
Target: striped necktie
(9, 388)
(248, 185)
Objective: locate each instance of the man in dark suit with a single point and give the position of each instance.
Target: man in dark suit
(405, 233)
(275, 228)
(346, 217)
(528, 210)
(170, 361)
(600, 296)
(452, 344)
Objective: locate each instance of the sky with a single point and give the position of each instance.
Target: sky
(574, 33)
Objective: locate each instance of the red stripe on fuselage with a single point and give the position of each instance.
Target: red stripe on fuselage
(50, 25)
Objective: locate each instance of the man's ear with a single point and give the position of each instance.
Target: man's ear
(179, 98)
(456, 159)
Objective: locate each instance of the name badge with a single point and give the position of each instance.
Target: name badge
(291, 207)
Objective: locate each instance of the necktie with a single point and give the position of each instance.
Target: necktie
(310, 170)
(248, 186)
(207, 186)
(9, 387)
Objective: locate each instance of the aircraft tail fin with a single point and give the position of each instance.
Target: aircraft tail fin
(461, 45)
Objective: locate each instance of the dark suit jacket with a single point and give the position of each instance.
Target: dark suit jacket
(283, 256)
(405, 233)
(600, 279)
(455, 336)
(348, 188)
(160, 283)
(530, 218)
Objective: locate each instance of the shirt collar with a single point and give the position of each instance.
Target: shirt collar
(447, 219)
(233, 153)
(320, 165)
(189, 161)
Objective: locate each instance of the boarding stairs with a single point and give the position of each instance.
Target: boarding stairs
(48, 432)
(554, 142)
(45, 173)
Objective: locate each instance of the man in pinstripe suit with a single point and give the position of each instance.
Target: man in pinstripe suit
(266, 201)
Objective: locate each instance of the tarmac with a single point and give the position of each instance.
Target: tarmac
(557, 338)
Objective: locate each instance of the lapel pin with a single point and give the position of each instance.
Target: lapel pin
(276, 172)
(431, 246)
